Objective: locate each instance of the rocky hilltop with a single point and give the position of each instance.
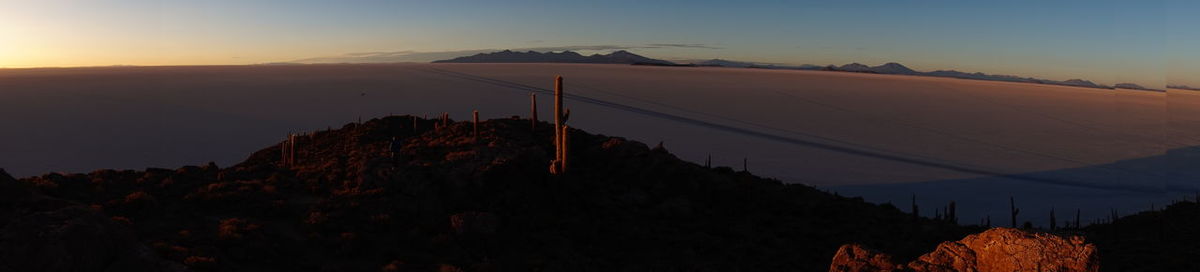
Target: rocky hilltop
(447, 201)
(998, 249)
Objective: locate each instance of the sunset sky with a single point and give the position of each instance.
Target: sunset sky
(1105, 41)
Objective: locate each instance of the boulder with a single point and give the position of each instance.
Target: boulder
(856, 258)
(997, 249)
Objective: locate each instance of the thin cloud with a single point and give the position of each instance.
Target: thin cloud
(682, 45)
(580, 47)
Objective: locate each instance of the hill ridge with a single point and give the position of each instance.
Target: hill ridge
(347, 202)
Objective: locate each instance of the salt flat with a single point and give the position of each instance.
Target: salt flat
(783, 122)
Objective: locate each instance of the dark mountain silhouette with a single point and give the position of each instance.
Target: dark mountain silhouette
(855, 67)
(625, 57)
(450, 201)
(743, 64)
(1132, 86)
(1080, 83)
(888, 68)
(982, 76)
(1183, 87)
(893, 68)
(726, 63)
(507, 56)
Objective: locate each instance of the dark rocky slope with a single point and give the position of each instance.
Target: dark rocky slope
(1166, 239)
(452, 202)
(40, 233)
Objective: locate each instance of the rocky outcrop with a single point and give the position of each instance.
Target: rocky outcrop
(856, 258)
(39, 233)
(453, 200)
(998, 249)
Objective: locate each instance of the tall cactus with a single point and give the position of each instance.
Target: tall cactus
(475, 124)
(292, 153)
(533, 111)
(558, 166)
(916, 211)
(1013, 211)
(952, 213)
(1053, 220)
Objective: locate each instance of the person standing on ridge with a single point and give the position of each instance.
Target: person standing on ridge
(394, 148)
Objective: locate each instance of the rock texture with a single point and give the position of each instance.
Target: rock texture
(998, 249)
(856, 258)
(39, 233)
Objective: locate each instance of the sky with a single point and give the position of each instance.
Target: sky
(1145, 42)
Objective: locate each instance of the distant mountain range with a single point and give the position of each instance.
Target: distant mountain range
(508, 56)
(1132, 86)
(742, 64)
(1183, 87)
(891, 68)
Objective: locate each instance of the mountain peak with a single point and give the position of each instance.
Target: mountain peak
(893, 68)
(508, 56)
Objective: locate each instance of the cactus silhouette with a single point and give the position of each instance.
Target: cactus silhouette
(533, 116)
(916, 212)
(1013, 210)
(1053, 221)
(951, 213)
